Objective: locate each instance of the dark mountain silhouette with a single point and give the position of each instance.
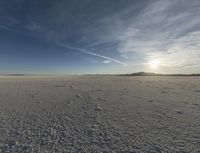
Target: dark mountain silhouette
(157, 74)
(130, 74)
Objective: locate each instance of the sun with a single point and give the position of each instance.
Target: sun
(154, 64)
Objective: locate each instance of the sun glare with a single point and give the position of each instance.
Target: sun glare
(154, 64)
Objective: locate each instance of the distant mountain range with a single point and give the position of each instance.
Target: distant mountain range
(157, 74)
(10, 74)
(130, 74)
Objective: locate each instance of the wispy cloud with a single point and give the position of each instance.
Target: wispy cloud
(107, 61)
(6, 27)
(168, 30)
(95, 54)
(8, 23)
(36, 29)
(183, 52)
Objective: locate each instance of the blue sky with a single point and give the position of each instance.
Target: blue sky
(99, 36)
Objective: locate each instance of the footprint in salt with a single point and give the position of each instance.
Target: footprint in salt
(59, 85)
(72, 87)
(98, 108)
(179, 111)
(78, 96)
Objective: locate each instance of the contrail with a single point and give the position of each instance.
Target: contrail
(94, 54)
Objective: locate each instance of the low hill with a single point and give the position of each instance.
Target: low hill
(158, 74)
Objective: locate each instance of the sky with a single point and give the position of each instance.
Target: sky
(99, 36)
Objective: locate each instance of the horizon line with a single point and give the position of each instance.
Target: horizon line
(104, 74)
